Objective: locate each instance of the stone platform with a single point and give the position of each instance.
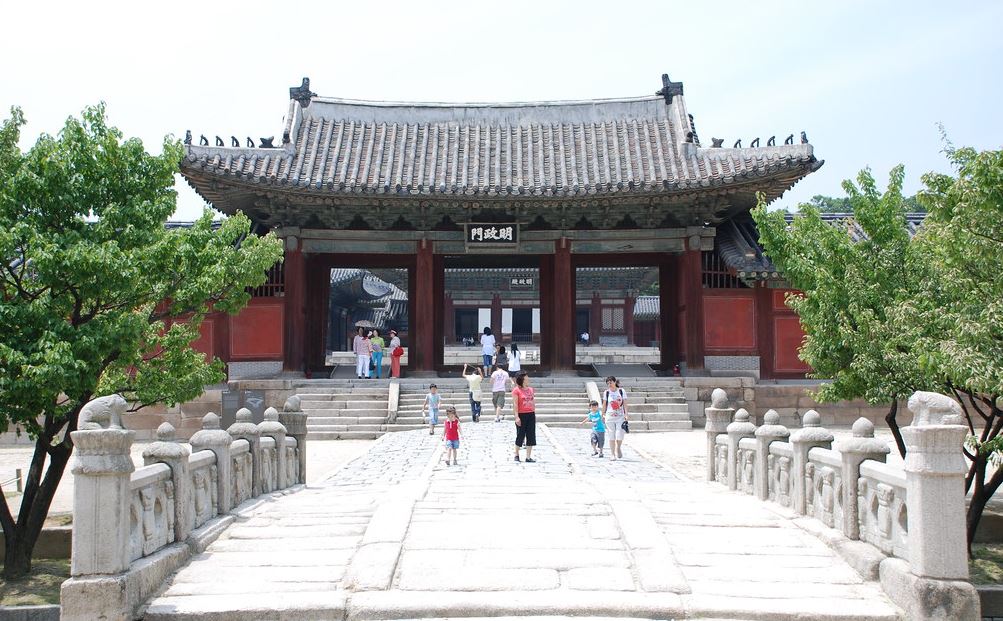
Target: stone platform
(397, 534)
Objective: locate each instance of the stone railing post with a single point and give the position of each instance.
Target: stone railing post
(244, 429)
(771, 431)
(169, 451)
(810, 435)
(272, 428)
(718, 417)
(294, 420)
(101, 472)
(935, 487)
(854, 451)
(737, 430)
(212, 438)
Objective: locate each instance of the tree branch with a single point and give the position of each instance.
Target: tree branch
(894, 426)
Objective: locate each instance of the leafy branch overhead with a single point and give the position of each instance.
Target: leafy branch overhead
(96, 295)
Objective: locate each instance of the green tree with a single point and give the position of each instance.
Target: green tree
(960, 307)
(847, 289)
(96, 296)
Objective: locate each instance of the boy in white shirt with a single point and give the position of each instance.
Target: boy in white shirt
(474, 382)
(499, 382)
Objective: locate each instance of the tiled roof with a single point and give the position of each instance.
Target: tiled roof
(646, 307)
(637, 146)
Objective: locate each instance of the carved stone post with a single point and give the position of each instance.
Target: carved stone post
(810, 435)
(771, 431)
(169, 451)
(935, 487)
(244, 429)
(212, 438)
(737, 430)
(718, 417)
(854, 451)
(272, 428)
(294, 420)
(101, 472)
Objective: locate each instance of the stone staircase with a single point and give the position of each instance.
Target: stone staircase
(345, 409)
(358, 409)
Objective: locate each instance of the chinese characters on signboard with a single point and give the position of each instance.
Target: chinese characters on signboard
(521, 283)
(493, 234)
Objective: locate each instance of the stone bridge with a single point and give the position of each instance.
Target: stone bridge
(398, 534)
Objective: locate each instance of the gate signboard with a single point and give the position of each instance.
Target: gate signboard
(492, 235)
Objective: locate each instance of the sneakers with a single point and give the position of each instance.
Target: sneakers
(530, 460)
(431, 432)
(517, 458)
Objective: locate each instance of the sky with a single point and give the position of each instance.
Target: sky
(868, 81)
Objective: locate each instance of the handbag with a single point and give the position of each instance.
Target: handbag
(397, 352)
(625, 427)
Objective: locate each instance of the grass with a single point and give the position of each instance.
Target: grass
(986, 564)
(40, 587)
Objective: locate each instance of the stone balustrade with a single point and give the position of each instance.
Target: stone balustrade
(902, 525)
(133, 527)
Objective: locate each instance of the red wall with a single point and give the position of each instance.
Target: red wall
(787, 337)
(729, 317)
(256, 332)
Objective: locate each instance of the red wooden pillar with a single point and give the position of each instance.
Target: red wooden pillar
(421, 355)
(628, 317)
(295, 307)
(764, 329)
(496, 317)
(564, 306)
(438, 294)
(316, 310)
(547, 340)
(691, 274)
(595, 318)
(668, 313)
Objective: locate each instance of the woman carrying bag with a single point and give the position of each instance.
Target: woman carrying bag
(396, 351)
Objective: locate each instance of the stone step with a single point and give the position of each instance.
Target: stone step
(346, 411)
(346, 405)
(344, 435)
(344, 420)
(325, 428)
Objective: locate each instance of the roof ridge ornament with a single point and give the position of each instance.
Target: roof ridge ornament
(302, 93)
(669, 89)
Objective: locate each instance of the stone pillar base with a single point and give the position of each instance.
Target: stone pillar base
(928, 599)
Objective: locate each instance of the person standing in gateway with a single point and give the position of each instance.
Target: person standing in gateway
(396, 351)
(360, 345)
(487, 348)
(376, 343)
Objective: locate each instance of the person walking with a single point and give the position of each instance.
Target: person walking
(396, 351)
(499, 383)
(451, 433)
(474, 380)
(501, 357)
(432, 402)
(360, 345)
(487, 348)
(376, 343)
(614, 407)
(514, 360)
(525, 416)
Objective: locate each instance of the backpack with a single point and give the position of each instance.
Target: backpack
(609, 403)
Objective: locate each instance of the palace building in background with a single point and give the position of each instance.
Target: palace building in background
(540, 220)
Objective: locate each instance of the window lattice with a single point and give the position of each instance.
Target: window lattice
(716, 274)
(274, 285)
(612, 318)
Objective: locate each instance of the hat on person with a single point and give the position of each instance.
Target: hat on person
(392, 331)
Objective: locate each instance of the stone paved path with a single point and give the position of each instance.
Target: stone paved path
(398, 534)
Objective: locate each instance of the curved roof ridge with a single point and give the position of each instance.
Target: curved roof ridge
(479, 104)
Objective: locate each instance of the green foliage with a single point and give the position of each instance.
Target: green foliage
(841, 204)
(849, 286)
(96, 295)
(93, 285)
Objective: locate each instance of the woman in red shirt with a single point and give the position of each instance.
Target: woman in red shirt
(525, 416)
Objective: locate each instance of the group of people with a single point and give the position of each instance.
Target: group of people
(493, 354)
(609, 417)
(369, 347)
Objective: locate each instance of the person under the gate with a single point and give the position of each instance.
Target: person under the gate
(361, 347)
(487, 348)
(396, 351)
(377, 344)
(474, 383)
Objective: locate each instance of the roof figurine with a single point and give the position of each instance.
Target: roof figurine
(302, 93)
(669, 89)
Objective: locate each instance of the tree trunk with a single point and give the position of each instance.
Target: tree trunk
(983, 491)
(893, 424)
(19, 541)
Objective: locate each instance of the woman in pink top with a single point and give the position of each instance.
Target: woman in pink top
(525, 416)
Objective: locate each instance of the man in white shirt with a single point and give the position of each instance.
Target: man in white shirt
(499, 382)
(474, 381)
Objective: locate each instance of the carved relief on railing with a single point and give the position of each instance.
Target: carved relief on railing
(781, 454)
(151, 524)
(292, 462)
(240, 454)
(204, 486)
(268, 465)
(881, 507)
(721, 459)
(824, 487)
(747, 465)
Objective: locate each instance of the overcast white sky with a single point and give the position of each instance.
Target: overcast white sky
(868, 81)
